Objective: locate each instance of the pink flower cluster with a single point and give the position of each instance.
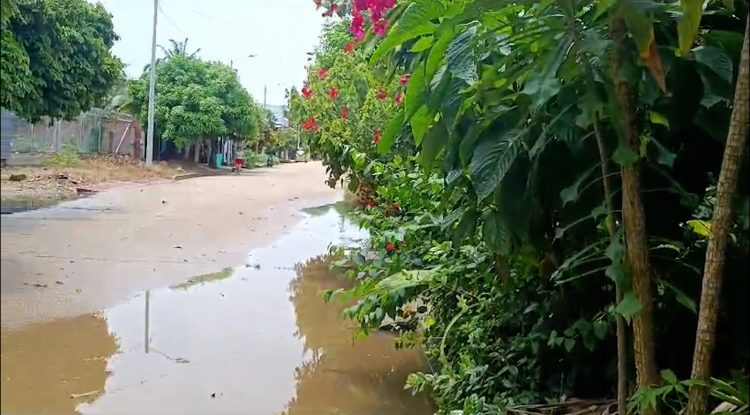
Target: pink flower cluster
(376, 10)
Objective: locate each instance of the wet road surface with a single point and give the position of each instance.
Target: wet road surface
(253, 339)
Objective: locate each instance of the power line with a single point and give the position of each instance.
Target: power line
(171, 22)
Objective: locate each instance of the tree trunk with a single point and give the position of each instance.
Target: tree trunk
(705, 336)
(622, 353)
(634, 220)
(197, 154)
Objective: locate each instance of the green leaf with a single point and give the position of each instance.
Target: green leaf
(629, 306)
(465, 227)
(664, 156)
(460, 56)
(389, 135)
(683, 298)
(422, 44)
(625, 156)
(415, 90)
(433, 142)
(669, 376)
(569, 344)
(570, 193)
(420, 121)
(689, 23)
(658, 119)
(616, 272)
(716, 60)
(492, 159)
(494, 232)
(600, 329)
(544, 83)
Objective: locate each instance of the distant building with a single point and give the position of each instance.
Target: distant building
(278, 113)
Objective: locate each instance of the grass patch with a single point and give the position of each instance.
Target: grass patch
(67, 157)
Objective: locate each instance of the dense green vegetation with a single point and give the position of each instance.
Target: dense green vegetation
(56, 57)
(547, 179)
(197, 100)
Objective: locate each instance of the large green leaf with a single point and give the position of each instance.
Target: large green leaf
(415, 90)
(716, 60)
(492, 159)
(433, 142)
(460, 56)
(494, 232)
(389, 135)
(689, 23)
(420, 121)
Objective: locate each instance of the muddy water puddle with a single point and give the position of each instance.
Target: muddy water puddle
(254, 339)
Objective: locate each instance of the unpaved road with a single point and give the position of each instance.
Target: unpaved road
(90, 254)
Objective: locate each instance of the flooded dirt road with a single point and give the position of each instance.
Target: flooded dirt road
(89, 254)
(256, 338)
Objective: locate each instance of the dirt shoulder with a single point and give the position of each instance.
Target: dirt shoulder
(60, 178)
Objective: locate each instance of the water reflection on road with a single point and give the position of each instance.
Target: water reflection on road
(254, 340)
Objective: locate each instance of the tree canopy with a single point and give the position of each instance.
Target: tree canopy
(56, 57)
(196, 99)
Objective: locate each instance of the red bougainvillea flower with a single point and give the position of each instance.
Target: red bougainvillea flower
(398, 99)
(370, 203)
(317, 3)
(333, 92)
(381, 95)
(333, 8)
(380, 27)
(306, 91)
(397, 206)
(357, 27)
(390, 247)
(404, 79)
(376, 136)
(350, 46)
(310, 124)
(344, 112)
(322, 73)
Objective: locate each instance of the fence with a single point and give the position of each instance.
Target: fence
(92, 132)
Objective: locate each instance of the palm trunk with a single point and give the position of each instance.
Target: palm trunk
(634, 220)
(705, 337)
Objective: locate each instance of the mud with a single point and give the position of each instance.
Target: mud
(253, 339)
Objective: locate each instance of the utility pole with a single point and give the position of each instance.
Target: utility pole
(264, 96)
(152, 95)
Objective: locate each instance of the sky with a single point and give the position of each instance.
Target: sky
(278, 32)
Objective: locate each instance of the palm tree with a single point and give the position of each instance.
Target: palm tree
(177, 49)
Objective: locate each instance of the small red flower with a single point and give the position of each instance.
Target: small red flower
(306, 91)
(322, 73)
(398, 99)
(310, 124)
(344, 112)
(350, 46)
(376, 136)
(370, 203)
(404, 79)
(381, 95)
(390, 247)
(397, 206)
(333, 8)
(333, 92)
(317, 3)
(380, 27)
